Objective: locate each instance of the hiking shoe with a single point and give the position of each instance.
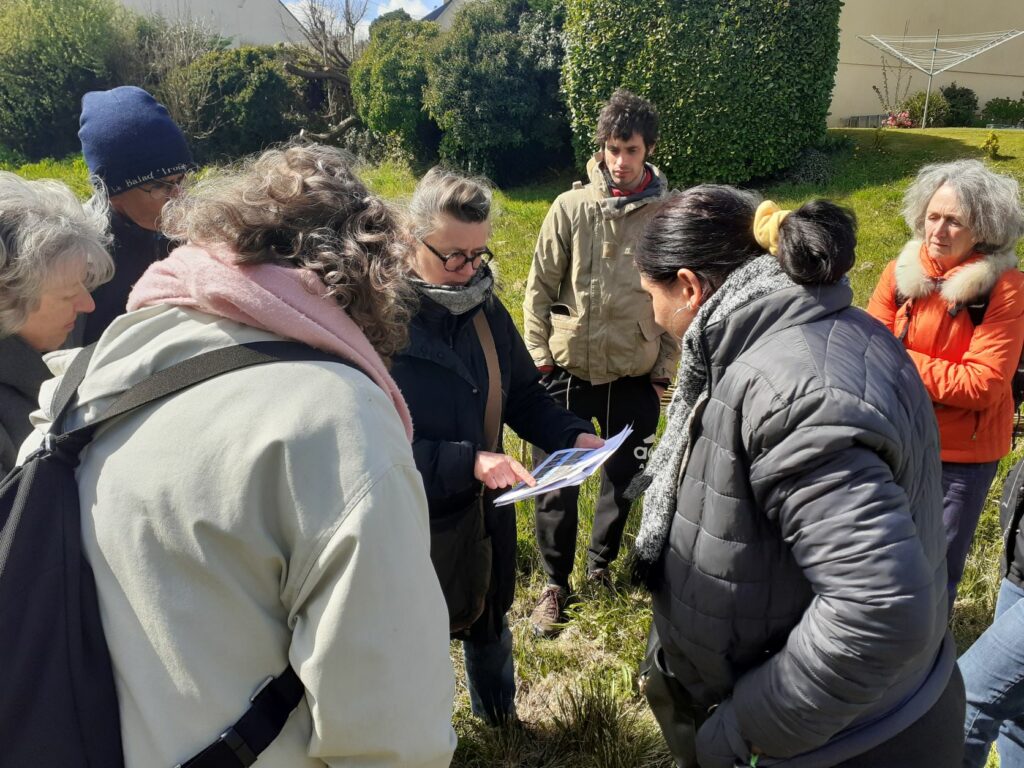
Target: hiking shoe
(601, 577)
(549, 614)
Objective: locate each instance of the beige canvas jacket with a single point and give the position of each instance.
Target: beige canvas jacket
(272, 515)
(584, 309)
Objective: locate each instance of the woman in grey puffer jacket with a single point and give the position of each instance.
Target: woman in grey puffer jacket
(792, 530)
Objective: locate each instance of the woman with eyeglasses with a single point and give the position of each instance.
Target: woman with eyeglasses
(458, 337)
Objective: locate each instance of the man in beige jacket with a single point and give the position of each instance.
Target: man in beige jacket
(590, 329)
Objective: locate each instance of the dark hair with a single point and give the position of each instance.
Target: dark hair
(626, 114)
(709, 229)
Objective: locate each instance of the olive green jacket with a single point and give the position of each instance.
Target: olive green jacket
(584, 309)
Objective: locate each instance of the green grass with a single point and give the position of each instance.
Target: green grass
(577, 695)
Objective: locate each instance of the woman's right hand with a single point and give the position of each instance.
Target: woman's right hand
(496, 470)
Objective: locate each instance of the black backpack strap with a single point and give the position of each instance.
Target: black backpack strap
(179, 377)
(241, 744)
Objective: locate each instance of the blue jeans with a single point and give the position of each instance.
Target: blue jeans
(993, 670)
(490, 677)
(964, 490)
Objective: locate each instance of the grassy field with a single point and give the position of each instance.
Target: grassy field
(577, 696)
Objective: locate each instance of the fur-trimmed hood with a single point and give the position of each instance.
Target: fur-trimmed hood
(965, 285)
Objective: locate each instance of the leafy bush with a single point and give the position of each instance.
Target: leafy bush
(938, 109)
(235, 102)
(51, 53)
(492, 87)
(963, 104)
(1003, 111)
(991, 146)
(388, 81)
(742, 87)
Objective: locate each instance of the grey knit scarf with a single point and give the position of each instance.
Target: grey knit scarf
(459, 299)
(660, 479)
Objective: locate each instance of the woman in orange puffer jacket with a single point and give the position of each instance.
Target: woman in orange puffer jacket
(966, 222)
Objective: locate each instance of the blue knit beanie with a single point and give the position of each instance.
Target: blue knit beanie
(128, 138)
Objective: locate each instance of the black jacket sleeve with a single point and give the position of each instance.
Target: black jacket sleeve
(529, 409)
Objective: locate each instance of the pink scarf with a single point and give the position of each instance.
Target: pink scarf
(283, 301)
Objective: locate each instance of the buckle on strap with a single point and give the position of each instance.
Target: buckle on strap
(233, 741)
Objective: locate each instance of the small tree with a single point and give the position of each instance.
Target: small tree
(963, 104)
(1003, 111)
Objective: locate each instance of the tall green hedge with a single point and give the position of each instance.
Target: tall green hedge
(741, 86)
(388, 80)
(51, 53)
(493, 88)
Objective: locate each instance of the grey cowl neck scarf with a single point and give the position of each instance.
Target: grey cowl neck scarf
(659, 482)
(460, 299)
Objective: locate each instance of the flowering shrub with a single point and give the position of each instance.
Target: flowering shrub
(898, 120)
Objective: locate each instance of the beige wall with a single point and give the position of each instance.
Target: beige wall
(998, 72)
(256, 22)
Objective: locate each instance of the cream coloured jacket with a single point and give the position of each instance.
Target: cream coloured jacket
(584, 309)
(271, 516)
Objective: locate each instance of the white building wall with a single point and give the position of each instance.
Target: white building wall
(252, 22)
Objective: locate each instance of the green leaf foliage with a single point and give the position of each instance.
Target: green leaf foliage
(492, 88)
(388, 81)
(963, 104)
(1003, 111)
(741, 86)
(243, 101)
(51, 53)
(938, 109)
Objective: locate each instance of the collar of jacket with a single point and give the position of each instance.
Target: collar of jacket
(964, 284)
(726, 339)
(617, 207)
(433, 333)
(23, 368)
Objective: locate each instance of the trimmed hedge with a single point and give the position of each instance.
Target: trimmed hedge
(742, 87)
(388, 80)
(493, 88)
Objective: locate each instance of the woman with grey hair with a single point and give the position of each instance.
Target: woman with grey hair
(465, 373)
(271, 517)
(955, 298)
(52, 254)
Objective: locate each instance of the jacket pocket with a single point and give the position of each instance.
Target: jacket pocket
(565, 343)
(648, 345)
(461, 552)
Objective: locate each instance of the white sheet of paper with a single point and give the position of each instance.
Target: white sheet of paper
(565, 468)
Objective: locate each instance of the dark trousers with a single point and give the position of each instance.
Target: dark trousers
(964, 490)
(614, 405)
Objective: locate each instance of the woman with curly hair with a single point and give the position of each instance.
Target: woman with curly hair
(272, 516)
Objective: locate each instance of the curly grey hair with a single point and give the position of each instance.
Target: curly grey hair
(443, 192)
(44, 231)
(990, 202)
(301, 205)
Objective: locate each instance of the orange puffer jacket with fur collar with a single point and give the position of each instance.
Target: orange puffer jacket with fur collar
(966, 369)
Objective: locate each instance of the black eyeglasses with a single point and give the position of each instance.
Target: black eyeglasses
(453, 262)
(162, 188)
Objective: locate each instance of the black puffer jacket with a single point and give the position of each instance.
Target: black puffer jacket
(804, 575)
(443, 376)
(22, 372)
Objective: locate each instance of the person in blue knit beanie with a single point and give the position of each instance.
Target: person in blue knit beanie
(138, 157)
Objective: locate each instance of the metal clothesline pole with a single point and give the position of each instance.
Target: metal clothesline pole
(931, 70)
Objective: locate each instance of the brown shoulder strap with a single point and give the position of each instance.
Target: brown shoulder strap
(492, 416)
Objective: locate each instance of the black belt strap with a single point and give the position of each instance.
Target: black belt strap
(241, 744)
